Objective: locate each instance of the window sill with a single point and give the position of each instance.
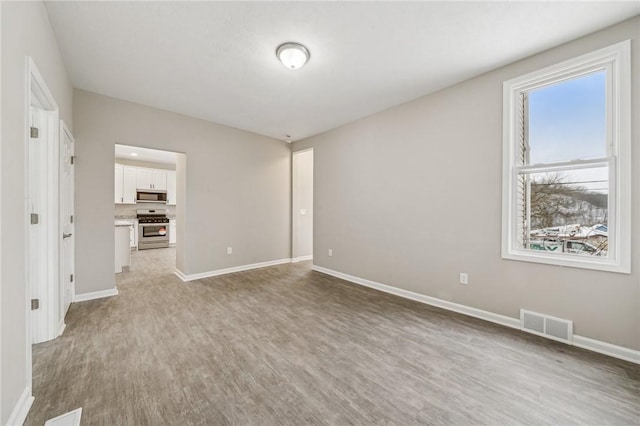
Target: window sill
(567, 260)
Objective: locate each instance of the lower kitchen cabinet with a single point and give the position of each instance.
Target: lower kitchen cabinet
(133, 235)
(122, 250)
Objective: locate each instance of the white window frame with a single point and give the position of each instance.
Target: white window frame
(616, 59)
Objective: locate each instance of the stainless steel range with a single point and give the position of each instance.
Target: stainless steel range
(153, 227)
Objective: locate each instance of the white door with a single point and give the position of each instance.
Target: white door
(67, 251)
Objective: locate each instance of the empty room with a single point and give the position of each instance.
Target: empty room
(292, 213)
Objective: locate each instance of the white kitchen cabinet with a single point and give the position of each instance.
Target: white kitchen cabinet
(118, 184)
(172, 231)
(125, 184)
(159, 180)
(144, 178)
(133, 234)
(129, 185)
(171, 188)
(151, 179)
(122, 250)
(133, 230)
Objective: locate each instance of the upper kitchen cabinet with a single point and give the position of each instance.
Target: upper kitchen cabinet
(171, 188)
(125, 184)
(118, 184)
(160, 179)
(144, 179)
(129, 185)
(151, 179)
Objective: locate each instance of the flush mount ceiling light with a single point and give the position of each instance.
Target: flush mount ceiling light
(293, 55)
(134, 154)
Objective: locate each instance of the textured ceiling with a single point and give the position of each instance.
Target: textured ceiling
(216, 60)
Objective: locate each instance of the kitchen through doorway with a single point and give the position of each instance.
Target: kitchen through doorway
(146, 223)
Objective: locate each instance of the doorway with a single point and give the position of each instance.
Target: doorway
(302, 205)
(145, 208)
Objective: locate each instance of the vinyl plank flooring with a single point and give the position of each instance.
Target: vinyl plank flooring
(288, 346)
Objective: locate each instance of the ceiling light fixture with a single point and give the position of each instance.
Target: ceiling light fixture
(134, 154)
(293, 55)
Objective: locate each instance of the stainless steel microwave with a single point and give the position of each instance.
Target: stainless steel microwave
(151, 196)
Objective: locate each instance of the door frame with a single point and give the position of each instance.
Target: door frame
(37, 94)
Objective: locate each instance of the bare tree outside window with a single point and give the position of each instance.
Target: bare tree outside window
(568, 214)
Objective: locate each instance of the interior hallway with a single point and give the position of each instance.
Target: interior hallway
(286, 345)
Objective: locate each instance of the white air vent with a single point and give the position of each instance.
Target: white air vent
(72, 418)
(547, 326)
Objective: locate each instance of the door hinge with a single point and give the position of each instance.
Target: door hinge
(73, 159)
(71, 219)
(71, 278)
(34, 132)
(35, 304)
(34, 218)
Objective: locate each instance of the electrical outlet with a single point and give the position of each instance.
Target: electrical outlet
(464, 278)
(229, 250)
(330, 252)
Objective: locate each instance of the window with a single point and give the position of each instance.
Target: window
(566, 163)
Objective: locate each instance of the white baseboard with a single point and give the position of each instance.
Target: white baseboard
(301, 258)
(607, 349)
(180, 274)
(192, 277)
(95, 295)
(455, 307)
(61, 328)
(20, 411)
(604, 348)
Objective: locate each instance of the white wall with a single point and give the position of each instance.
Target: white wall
(236, 188)
(411, 197)
(25, 32)
(302, 198)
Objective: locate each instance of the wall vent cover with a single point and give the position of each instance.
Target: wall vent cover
(547, 326)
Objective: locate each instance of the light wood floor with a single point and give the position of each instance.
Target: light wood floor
(285, 345)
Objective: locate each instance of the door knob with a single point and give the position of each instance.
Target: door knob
(66, 235)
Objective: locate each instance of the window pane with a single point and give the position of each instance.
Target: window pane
(567, 211)
(567, 120)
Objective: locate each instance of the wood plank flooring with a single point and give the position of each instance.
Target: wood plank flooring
(288, 346)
